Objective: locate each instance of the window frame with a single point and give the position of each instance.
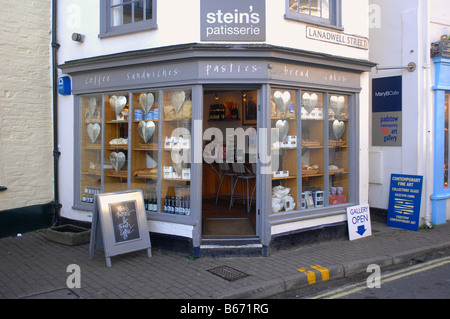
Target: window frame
(334, 22)
(106, 30)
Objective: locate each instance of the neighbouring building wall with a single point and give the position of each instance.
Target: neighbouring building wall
(26, 161)
(401, 37)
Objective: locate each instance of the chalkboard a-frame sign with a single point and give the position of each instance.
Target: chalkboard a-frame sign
(119, 225)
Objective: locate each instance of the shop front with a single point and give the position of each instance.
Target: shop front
(231, 145)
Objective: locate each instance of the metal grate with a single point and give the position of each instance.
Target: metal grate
(228, 273)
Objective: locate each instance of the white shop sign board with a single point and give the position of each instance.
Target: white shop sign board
(359, 222)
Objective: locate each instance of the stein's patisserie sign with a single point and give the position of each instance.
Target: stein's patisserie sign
(233, 20)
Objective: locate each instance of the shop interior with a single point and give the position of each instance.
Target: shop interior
(229, 189)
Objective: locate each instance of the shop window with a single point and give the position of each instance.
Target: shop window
(313, 151)
(91, 127)
(145, 146)
(128, 142)
(115, 148)
(446, 178)
(284, 150)
(126, 16)
(322, 12)
(176, 157)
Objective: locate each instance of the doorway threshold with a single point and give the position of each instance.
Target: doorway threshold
(231, 247)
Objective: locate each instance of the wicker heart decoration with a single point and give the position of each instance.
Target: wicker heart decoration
(118, 104)
(178, 99)
(117, 160)
(283, 127)
(282, 100)
(93, 131)
(147, 101)
(338, 129)
(146, 130)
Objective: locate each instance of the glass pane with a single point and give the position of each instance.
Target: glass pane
(145, 146)
(447, 103)
(116, 142)
(339, 165)
(316, 8)
(304, 7)
(116, 13)
(91, 147)
(293, 5)
(128, 13)
(326, 9)
(284, 150)
(313, 150)
(148, 10)
(176, 157)
(139, 11)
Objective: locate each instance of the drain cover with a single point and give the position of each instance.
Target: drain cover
(228, 273)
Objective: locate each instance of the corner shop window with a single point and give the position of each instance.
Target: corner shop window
(127, 142)
(126, 16)
(323, 12)
(447, 141)
(321, 146)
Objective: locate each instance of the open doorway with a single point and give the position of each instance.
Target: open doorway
(229, 188)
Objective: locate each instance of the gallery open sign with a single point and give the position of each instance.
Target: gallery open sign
(233, 20)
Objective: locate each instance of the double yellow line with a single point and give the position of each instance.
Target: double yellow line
(351, 289)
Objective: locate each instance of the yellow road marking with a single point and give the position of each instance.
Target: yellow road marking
(324, 271)
(310, 274)
(351, 289)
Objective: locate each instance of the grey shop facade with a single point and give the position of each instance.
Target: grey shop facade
(246, 147)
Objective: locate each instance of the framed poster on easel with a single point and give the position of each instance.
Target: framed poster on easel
(119, 225)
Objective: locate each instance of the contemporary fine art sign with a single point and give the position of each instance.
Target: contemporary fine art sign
(119, 224)
(404, 202)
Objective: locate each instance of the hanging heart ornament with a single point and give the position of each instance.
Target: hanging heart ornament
(338, 129)
(92, 105)
(178, 99)
(147, 101)
(146, 130)
(283, 129)
(93, 131)
(177, 160)
(117, 160)
(118, 103)
(309, 101)
(282, 100)
(337, 104)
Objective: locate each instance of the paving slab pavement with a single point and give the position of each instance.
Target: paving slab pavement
(33, 267)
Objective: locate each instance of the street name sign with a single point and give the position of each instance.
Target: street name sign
(359, 222)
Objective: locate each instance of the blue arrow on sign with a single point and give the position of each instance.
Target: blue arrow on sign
(361, 230)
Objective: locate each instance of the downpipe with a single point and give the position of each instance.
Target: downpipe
(429, 111)
(56, 153)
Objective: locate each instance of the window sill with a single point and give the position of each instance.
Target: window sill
(319, 24)
(120, 32)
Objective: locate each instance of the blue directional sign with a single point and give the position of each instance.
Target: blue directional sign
(404, 201)
(359, 223)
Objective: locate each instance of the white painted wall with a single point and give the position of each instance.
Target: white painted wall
(402, 39)
(179, 23)
(26, 161)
